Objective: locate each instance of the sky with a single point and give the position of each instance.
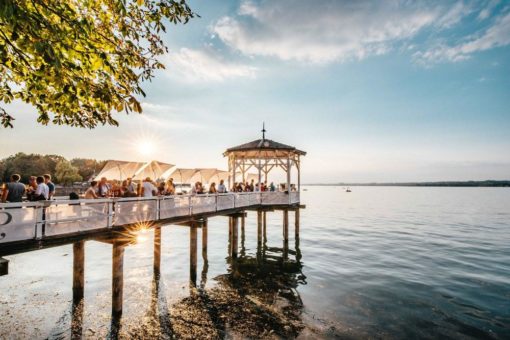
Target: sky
(374, 91)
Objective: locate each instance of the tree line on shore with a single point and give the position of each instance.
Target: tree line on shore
(63, 171)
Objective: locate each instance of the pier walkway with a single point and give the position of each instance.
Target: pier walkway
(34, 223)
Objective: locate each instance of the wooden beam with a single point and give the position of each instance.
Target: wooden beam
(193, 256)
(117, 279)
(235, 228)
(4, 266)
(78, 270)
(259, 227)
(157, 251)
(286, 225)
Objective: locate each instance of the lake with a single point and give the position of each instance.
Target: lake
(378, 262)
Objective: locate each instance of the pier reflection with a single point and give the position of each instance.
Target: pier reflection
(256, 297)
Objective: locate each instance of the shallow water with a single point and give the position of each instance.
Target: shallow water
(379, 262)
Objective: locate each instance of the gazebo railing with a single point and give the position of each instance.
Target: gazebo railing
(37, 220)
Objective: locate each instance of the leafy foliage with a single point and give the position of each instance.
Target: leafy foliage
(36, 165)
(77, 61)
(87, 168)
(28, 165)
(65, 173)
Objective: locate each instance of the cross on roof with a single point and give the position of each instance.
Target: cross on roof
(263, 130)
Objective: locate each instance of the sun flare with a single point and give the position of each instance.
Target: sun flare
(145, 147)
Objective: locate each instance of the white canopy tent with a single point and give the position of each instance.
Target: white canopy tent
(209, 175)
(154, 170)
(181, 175)
(219, 175)
(119, 170)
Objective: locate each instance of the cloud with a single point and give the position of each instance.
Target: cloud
(486, 12)
(498, 34)
(195, 65)
(327, 31)
(168, 116)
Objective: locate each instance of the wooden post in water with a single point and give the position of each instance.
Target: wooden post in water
(259, 227)
(204, 240)
(193, 255)
(230, 219)
(157, 251)
(205, 267)
(78, 289)
(285, 234)
(4, 266)
(296, 223)
(265, 226)
(78, 270)
(117, 279)
(235, 229)
(243, 223)
(285, 225)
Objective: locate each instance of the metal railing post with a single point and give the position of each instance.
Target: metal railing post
(110, 210)
(158, 204)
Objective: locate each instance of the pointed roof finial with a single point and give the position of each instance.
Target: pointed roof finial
(263, 130)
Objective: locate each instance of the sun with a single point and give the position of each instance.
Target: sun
(145, 147)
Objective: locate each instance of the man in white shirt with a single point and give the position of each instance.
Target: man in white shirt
(221, 188)
(43, 191)
(148, 189)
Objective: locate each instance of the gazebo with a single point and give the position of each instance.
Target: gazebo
(263, 155)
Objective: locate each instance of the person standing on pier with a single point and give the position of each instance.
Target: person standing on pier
(91, 191)
(170, 187)
(148, 189)
(222, 189)
(49, 183)
(212, 188)
(103, 188)
(14, 190)
(130, 188)
(42, 192)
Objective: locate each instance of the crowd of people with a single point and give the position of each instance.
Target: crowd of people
(39, 188)
(129, 188)
(255, 187)
(42, 188)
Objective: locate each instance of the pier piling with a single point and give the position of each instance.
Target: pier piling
(4, 266)
(78, 270)
(235, 229)
(259, 227)
(296, 223)
(157, 251)
(193, 254)
(117, 279)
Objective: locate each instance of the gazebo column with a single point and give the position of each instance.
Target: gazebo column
(233, 172)
(259, 168)
(299, 173)
(288, 177)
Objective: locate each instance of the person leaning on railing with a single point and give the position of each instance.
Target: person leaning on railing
(42, 193)
(51, 186)
(90, 193)
(212, 188)
(222, 189)
(170, 187)
(14, 190)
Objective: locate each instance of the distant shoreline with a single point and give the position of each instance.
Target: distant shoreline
(488, 183)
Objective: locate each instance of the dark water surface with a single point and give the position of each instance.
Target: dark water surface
(375, 263)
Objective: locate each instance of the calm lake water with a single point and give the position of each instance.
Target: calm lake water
(379, 262)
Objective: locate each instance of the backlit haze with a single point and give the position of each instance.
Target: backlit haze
(373, 91)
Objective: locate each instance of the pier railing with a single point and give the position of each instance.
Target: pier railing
(38, 220)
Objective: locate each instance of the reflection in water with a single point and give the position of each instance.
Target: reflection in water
(257, 297)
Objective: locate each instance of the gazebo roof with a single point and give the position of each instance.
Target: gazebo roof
(264, 145)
